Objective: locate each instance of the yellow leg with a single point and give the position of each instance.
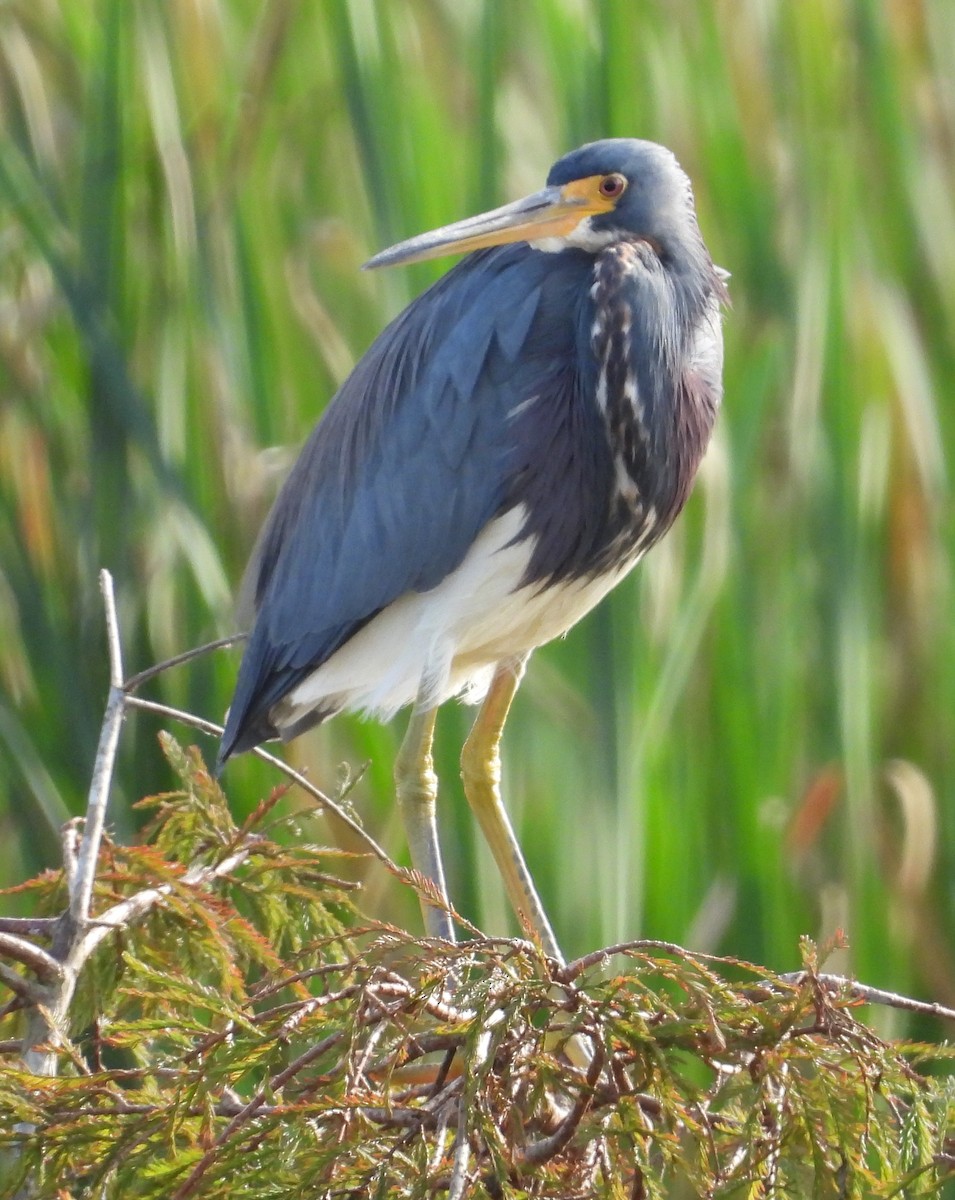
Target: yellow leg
(481, 772)
(417, 789)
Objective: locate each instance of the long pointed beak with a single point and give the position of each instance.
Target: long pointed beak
(551, 212)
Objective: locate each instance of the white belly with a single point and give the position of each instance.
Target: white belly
(450, 639)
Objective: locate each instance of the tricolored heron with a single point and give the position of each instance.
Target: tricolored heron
(501, 457)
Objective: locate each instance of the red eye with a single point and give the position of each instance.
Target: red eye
(612, 186)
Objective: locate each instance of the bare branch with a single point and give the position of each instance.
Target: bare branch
(35, 926)
(112, 630)
(861, 991)
(71, 839)
(462, 1156)
(210, 727)
(136, 907)
(873, 995)
(25, 988)
(177, 714)
(134, 682)
(46, 1019)
(43, 964)
(573, 969)
(75, 939)
(81, 894)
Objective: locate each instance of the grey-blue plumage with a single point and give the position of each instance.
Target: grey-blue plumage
(538, 413)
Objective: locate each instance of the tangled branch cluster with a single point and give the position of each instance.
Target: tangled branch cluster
(232, 1038)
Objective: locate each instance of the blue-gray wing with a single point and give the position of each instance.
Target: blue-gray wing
(425, 441)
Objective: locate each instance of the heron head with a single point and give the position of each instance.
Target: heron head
(629, 189)
(618, 188)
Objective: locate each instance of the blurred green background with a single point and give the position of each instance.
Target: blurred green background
(753, 739)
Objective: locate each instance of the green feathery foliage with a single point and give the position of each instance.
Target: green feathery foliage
(248, 1038)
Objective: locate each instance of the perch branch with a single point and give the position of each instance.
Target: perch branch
(47, 1021)
(81, 892)
(860, 991)
(873, 995)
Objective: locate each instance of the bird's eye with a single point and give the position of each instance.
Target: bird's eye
(612, 186)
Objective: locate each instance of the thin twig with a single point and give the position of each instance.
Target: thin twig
(134, 682)
(210, 727)
(862, 991)
(112, 630)
(393, 1117)
(641, 945)
(177, 714)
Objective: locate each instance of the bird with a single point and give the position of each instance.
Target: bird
(505, 452)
